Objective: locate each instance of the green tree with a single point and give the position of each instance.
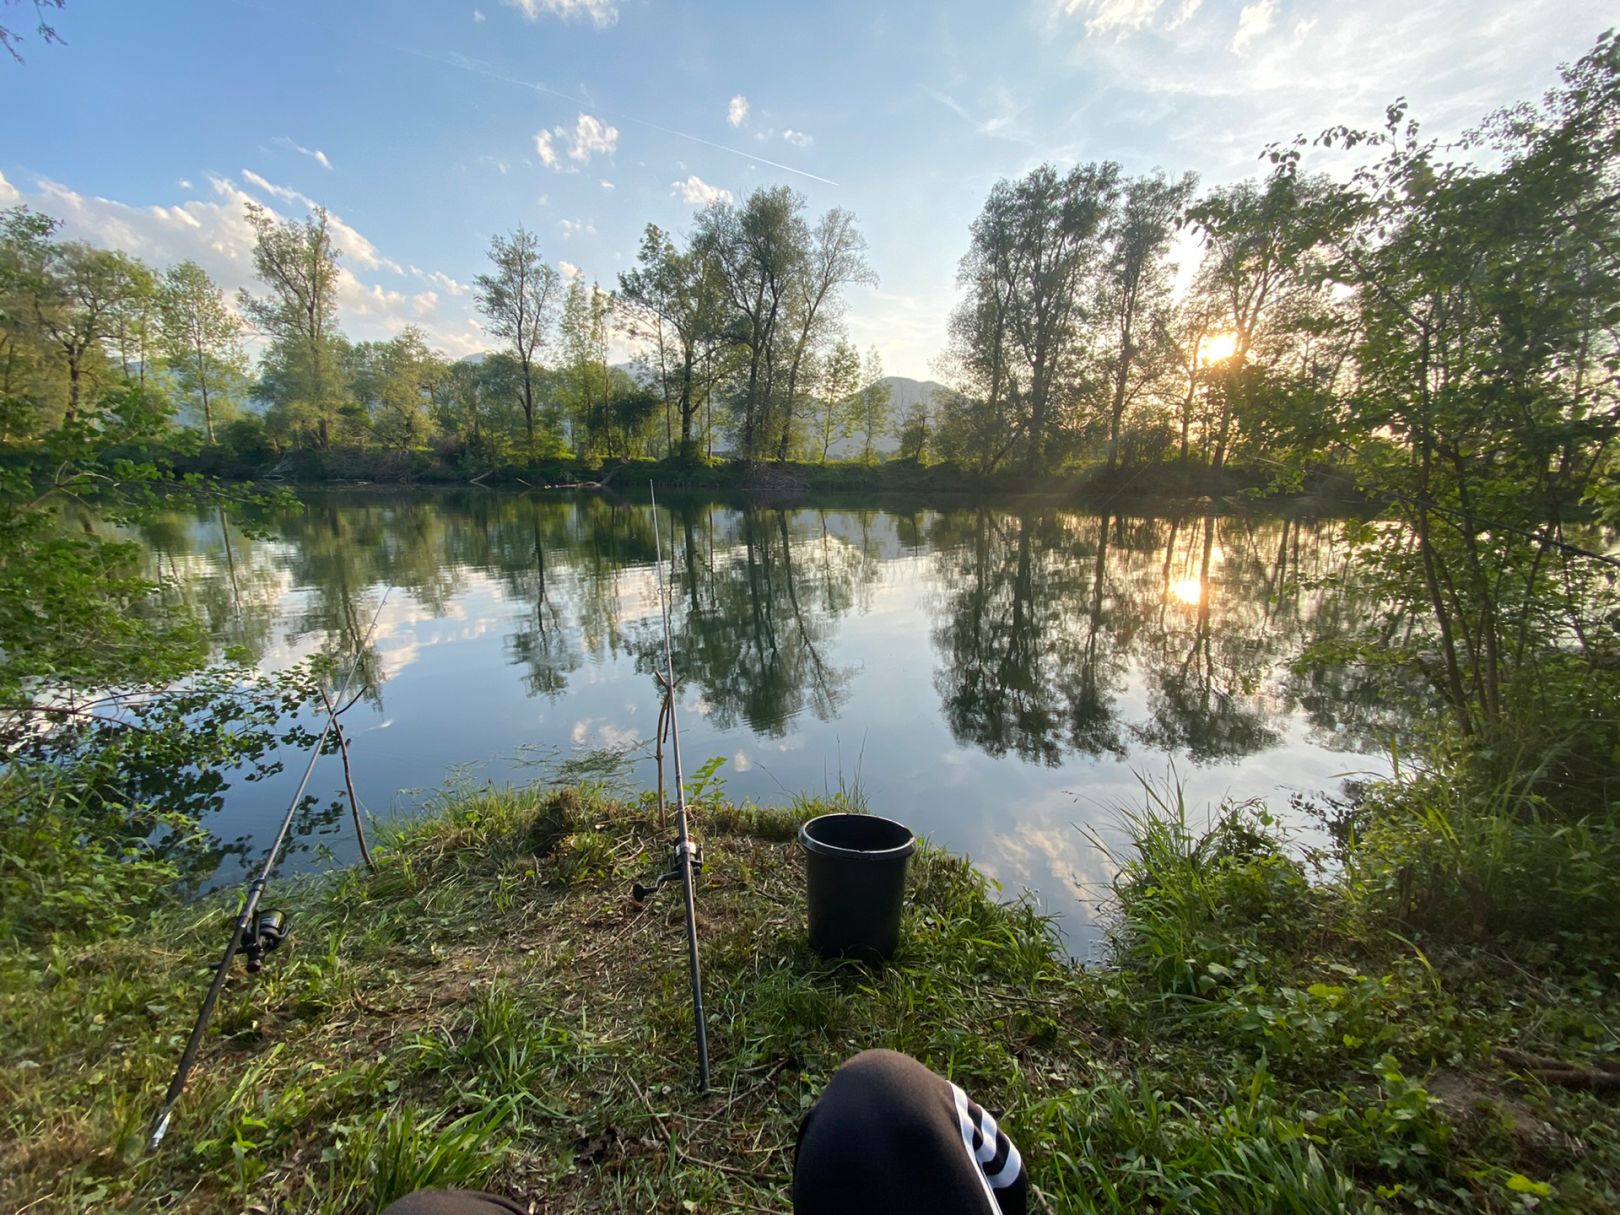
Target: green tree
(673, 299)
(397, 383)
(1034, 252)
(519, 299)
(76, 301)
(1486, 409)
(872, 407)
(1263, 276)
(1133, 301)
(759, 249)
(29, 384)
(297, 263)
(201, 340)
(588, 380)
(834, 258)
(835, 405)
(913, 432)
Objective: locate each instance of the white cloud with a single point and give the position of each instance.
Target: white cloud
(1255, 20)
(285, 193)
(1121, 17)
(440, 279)
(798, 138)
(592, 135)
(184, 184)
(605, 184)
(696, 192)
(600, 13)
(589, 137)
(478, 16)
(1188, 9)
(1112, 16)
(315, 154)
(8, 193)
(547, 153)
(571, 228)
(569, 270)
(737, 111)
(425, 302)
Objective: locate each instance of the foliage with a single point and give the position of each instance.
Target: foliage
(113, 733)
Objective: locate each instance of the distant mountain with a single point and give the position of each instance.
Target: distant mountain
(904, 391)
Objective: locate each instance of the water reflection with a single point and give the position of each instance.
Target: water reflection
(989, 664)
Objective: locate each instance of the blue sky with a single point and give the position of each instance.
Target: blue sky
(426, 128)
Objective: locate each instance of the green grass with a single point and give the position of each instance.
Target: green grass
(491, 1008)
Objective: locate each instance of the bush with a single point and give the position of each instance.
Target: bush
(1201, 911)
(1442, 855)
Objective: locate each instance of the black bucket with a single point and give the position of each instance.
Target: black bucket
(855, 866)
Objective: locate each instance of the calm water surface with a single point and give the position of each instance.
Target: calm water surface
(998, 679)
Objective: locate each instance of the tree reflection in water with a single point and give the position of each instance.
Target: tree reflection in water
(1056, 633)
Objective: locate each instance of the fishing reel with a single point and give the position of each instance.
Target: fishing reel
(679, 852)
(269, 930)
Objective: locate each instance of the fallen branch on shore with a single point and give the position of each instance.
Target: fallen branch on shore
(1600, 1076)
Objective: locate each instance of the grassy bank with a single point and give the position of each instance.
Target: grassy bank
(491, 1008)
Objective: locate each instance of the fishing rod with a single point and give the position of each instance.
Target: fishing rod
(254, 934)
(688, 857)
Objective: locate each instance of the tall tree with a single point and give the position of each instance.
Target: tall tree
(1135, 291)
(835, 257)
(27, 360)
(588, 380)
(1487, 404)
(75, 304)
(1034, 251)
(297, 262)
(673, 298)
(1262, 268)
(872, 412)
(840, 382)
(397, 382)
(133, 322)
(201, 338)
(759, 248)
(520, 301)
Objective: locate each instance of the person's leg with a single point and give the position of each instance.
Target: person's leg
(454, 1202)
(889, 1137)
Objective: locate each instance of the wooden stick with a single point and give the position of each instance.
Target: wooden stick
(1601, 1076)
(348, 780)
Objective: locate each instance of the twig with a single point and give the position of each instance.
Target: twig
(1556, 1071)
(348, 780)
(658, 1121)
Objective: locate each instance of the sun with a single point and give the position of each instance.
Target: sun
(1217, 348)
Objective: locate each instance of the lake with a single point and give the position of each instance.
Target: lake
(998, 678)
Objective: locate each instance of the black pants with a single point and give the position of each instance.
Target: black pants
(886, 1137)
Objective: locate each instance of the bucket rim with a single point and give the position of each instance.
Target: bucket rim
(821, 848)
